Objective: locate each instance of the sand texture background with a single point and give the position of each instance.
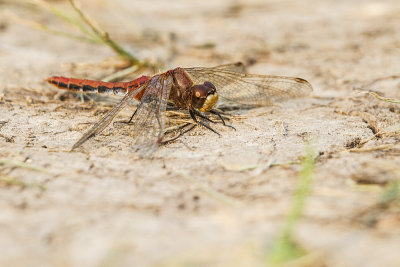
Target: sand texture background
(202, 199)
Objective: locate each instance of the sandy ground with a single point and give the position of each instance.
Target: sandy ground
(203, 200)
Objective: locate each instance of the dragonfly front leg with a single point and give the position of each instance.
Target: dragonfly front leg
(193, 115)
(222, 119)
(215, 113)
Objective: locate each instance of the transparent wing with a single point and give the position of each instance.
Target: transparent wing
(107, 119)
(149, 120)
(250, 89)
(233, 67)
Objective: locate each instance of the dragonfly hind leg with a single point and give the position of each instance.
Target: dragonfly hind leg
(182, 132)
(133, 115)
(169, 107)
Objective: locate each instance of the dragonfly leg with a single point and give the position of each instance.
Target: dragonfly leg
(172, 108)
(133, 115)
(202, 116)
(193, 115)
(130, 120)
(222, 119)
(216, 113)
(169, 107)
(180, 133)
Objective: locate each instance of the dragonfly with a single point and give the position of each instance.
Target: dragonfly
(197, 90)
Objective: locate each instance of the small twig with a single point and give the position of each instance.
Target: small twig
(15, 164)
(9, 181)
(390, 100)
(44, 28)
(370, 149)
(104, 36)
(96, 35)
(63, 16)
(370, 92)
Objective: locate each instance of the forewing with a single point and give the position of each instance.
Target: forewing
(107, 119)
(232, 67)
(250, 89)
(149, 120)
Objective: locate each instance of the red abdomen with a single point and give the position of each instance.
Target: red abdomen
(80, 85)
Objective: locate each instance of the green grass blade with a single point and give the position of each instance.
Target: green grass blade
(62, 15)
(285, 248)
(104, 36)
(16, 164)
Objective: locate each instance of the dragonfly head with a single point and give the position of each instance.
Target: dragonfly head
(204, 96)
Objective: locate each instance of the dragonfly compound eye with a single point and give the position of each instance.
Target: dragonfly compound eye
(204, 96)
(209, 85)
(200, 91)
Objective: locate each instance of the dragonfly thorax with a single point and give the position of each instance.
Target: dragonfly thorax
(204, 96)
